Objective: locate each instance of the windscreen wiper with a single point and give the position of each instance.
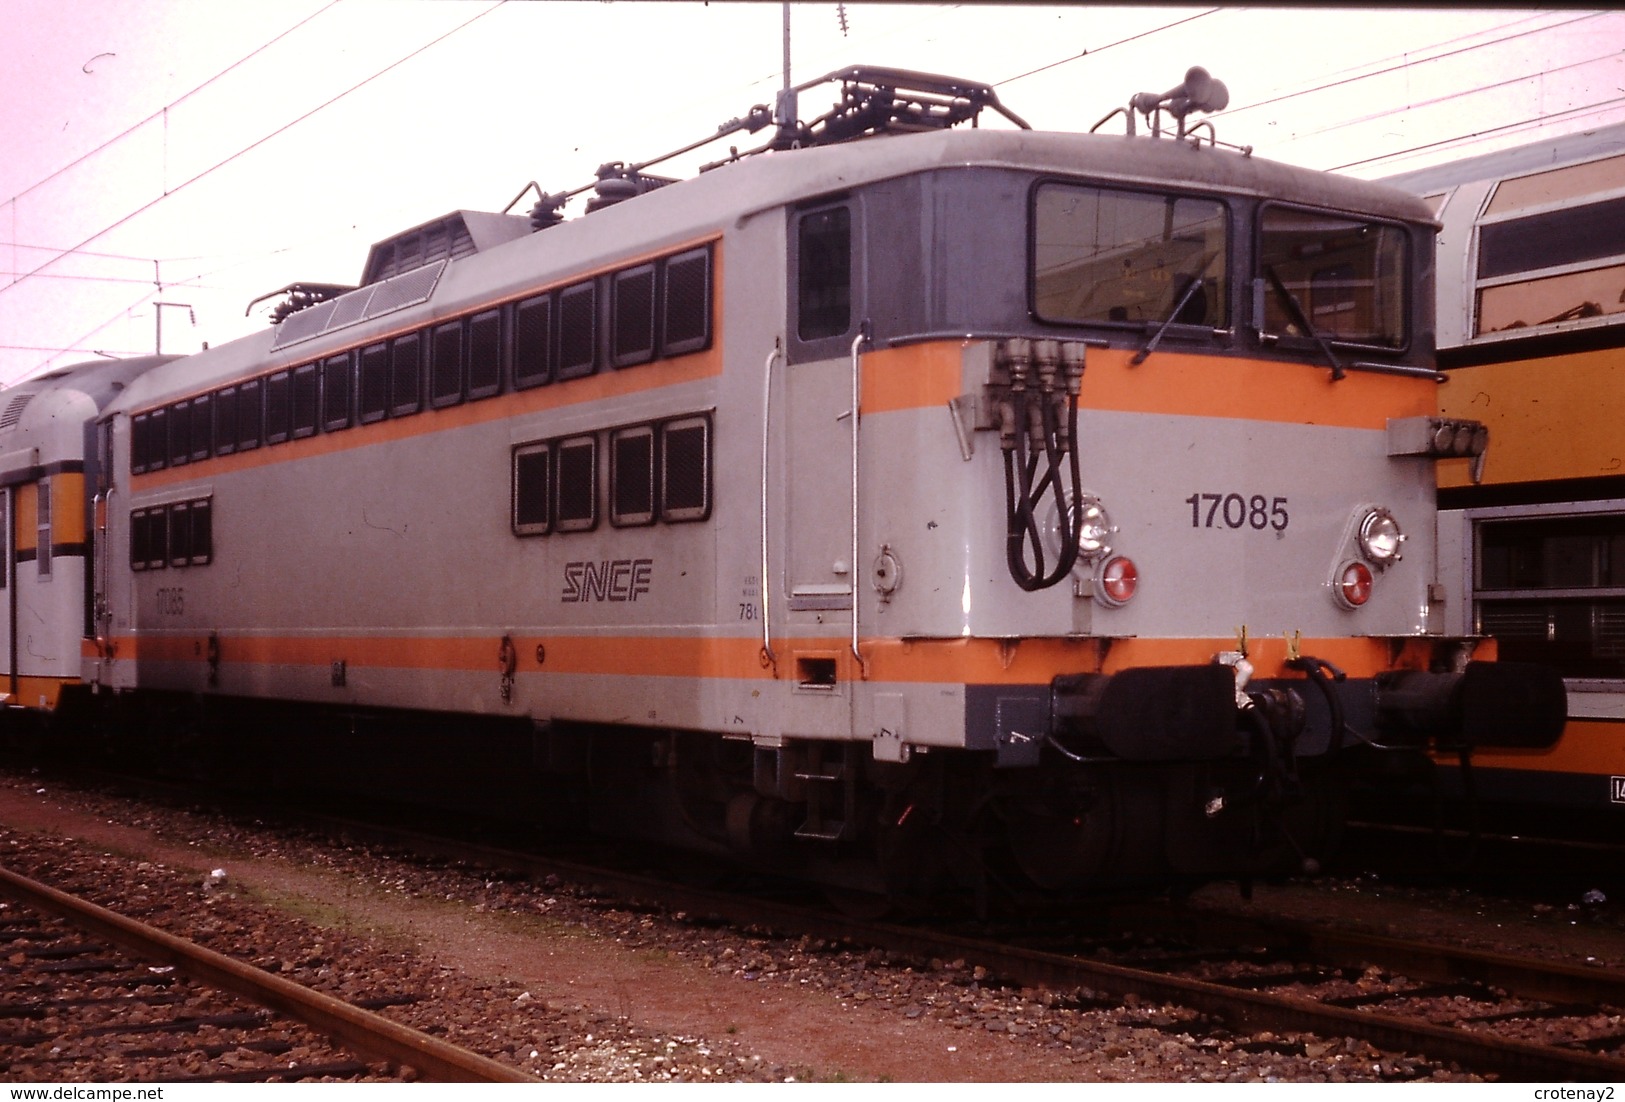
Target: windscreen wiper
(1179, 307)
(1295, 308)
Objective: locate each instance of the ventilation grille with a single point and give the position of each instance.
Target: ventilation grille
(437, 241)
(362, 304)
(14, 409)
(1516, 621)
(1610, 632)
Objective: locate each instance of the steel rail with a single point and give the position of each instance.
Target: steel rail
(1543, 980)
(360, 1030)
(1258, 1010)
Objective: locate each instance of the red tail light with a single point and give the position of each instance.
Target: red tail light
(1119, 578)
(1354, 585)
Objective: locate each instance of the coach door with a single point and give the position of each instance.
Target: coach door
(8, 586)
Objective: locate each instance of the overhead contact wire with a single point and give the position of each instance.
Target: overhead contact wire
(255, 144)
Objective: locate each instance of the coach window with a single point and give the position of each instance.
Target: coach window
(1550, 266)
(138, 539)
(225, 420)
(485, 354)
(824, 273)
(180, 433)
(406, 375)
(533, 342)
(632, 476)
(202, 427)
(278, 407)
(138, 443)
(1137, 259)
(143, 455)
(685, 469)
(202, 534)
(373, 389)
(158, 440)
(1331, 277)
(336, 387)
(306, 400)
(632, 305)
(575, 484)
(1552, 590)
(686, 317)
(43, 521)
(532, 489)
(180, 533)
(446, 365)
(149, 539)
(578, 331)
(250, 415)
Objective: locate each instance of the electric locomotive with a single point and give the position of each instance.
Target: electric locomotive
(905, 504)
(1532, 261)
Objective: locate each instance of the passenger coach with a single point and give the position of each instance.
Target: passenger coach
(1531, 305)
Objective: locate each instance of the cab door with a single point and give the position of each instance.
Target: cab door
(818, 491)
(818, 432)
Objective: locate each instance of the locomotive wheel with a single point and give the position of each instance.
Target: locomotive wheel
(1058, 847)
(916, 857)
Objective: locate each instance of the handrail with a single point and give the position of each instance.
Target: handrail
(768, 658)
(852, 564)
(1399, 369)
(101, 600)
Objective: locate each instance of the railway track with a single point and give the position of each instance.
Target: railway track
(86, 986)
(1479, 1011)
(1474, 1009)
(1508, 1017)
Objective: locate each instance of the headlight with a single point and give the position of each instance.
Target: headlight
(1095, 535)
(1380, 538)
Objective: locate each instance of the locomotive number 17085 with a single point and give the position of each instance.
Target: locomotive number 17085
(1238, 511)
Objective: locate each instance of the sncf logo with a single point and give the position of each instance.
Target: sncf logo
(609, 580)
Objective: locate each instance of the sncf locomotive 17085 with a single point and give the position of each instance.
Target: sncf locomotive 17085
(904, 504)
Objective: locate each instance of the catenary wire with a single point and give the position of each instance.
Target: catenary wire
(1434, 101)
(1107, 46)
(1572, 114)
(125, 133)
(1408, 60)
(254, 145)
(1137, 37)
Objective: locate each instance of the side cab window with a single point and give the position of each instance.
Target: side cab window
(825, 256)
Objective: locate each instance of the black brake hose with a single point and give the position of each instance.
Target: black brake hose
(1315, 669)
(1022, 529)
(1260, 722)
